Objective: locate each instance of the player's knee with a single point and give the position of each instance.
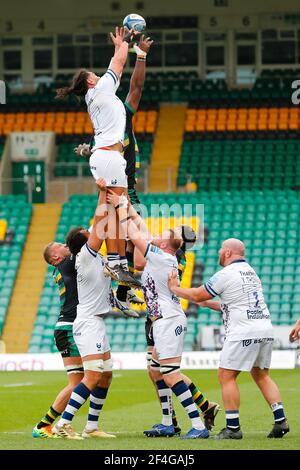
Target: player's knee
(93, 370)
(74, 380)
(106, 376)
(106, 379)
(259, 375)
(170, 373)
(225, 376)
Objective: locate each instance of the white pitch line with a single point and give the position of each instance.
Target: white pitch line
(12, 432)
(21, 384)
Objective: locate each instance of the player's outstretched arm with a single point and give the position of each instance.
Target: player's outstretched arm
(118, 61)
(193, 294)
(138, 77)
(100, 218)
(295, 333)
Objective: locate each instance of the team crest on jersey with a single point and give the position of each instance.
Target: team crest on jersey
(98, 346)
(114, 181)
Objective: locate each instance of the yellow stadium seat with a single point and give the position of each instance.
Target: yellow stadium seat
(190, 127)
(252, 125)
(262, 125)
(272, 125)
(48, 127)
(221, 126)
(78, 129)
(293, 125)
(231, 125)
(241, 125)
(150, 128)
(200, 126)
(3, 228)
(283, 125)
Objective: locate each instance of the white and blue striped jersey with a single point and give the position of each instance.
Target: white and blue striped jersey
(106, 111)
(160, 301)
(93, 287)
(245, 313)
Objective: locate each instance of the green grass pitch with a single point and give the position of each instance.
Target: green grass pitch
(131, 407)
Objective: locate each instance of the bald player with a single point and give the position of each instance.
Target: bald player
(248, 334)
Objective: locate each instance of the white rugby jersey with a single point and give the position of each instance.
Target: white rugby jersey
(245, 313)
(160, 301)
(106, 111)
(93, 287)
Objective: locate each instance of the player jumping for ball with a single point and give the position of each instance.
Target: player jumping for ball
(131, 152)
(108, 117)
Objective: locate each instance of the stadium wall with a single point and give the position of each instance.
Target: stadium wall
(67, 17)
(76, 9)
(136, 361)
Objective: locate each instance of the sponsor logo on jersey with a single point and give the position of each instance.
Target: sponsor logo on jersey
(175, 299)
(114, 181)
(257, 315)
(179, 329)
(98, 346)
(247, 342)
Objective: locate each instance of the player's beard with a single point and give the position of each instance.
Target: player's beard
(221, 260)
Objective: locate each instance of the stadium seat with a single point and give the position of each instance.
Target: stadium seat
(12, 208)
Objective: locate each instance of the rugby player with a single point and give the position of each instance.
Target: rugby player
(108, 117)
(248, 330)
(169, 320)
(64, 274)
(94, 291)
(131, 154)
(209, 409)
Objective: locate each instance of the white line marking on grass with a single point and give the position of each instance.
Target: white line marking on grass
(12, 432)
(21, 384)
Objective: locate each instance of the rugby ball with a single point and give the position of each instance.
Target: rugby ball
(135, 22)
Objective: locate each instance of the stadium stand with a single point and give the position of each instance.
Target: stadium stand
(16, 214)
(242, 119)
(260, 164)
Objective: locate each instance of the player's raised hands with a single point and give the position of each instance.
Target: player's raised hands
(173, 279)
(118, 37)
(144, 44)
(116, 200)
